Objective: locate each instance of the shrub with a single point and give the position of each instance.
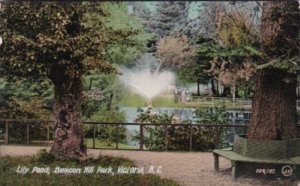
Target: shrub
(108, 132)
(178, 137)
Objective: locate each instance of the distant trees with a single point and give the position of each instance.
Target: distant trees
(232, 52)
(174, 52)
(163, 19)
(167, 17)
(171, 18)
(21, 98)
(125, 52)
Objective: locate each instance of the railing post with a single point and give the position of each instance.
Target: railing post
(217, 137)
(245, 130)
(48, 133)
(27, 133)
(166, 136)
(6, 132)
(141, 137)
(117, 136)
(191, 137)
(94, 133)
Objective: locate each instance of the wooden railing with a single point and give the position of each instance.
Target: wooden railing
(229, 102)
(7, 125)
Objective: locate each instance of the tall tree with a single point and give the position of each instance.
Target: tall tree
(60, 41)
(274, 105)
(174, 52)
(166, 18)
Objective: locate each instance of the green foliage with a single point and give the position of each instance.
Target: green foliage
(289, 65)
(211, 116)
(45, 157)
(216, 115)
(65, 40)
(106, 109)
(236, 40)
(20, 98)
(209, 49)
(109, 116)
(231, 64)
(108, 133)
(148, 116)
(104, 145)
(110, 88)
(119, 19)
(41, 37)
(179, 136)
(197, 68)
(237, 30)
(8, 176)
(194, 71)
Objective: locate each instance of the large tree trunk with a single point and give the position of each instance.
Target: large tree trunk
(274, 105)
(68, 142)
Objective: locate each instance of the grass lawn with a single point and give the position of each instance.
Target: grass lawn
(103, 144)
(9, 175)
(133, 100)
(166, 100)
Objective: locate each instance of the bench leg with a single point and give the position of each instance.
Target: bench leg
(233, 169)
(216, 161)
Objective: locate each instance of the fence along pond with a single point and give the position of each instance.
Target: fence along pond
(40, 132)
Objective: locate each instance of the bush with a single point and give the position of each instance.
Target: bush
(44, 157)
(203, 138)
(37, 131)
(107, 133)
(179, 138)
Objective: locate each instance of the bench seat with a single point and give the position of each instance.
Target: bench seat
(236, 158)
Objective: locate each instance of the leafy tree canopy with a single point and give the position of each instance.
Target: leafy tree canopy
(174, 52)
(47, 38)
(119, 19)
(23, 98)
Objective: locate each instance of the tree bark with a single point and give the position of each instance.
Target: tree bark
(213, 88)
(234, 92)
(217, 88)
(198, 87)
(110, 100)
(274, 105)
(68, 142)
(280, 29)
(226, 91)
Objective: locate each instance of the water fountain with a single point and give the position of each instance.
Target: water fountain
(146, 79)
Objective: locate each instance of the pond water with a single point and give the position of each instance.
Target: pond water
(236, 116)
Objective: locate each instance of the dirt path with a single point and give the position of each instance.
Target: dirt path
(191, 169)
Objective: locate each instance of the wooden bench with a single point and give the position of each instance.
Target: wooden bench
(237, 159)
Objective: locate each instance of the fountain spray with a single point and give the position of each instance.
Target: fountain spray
(146, 82)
